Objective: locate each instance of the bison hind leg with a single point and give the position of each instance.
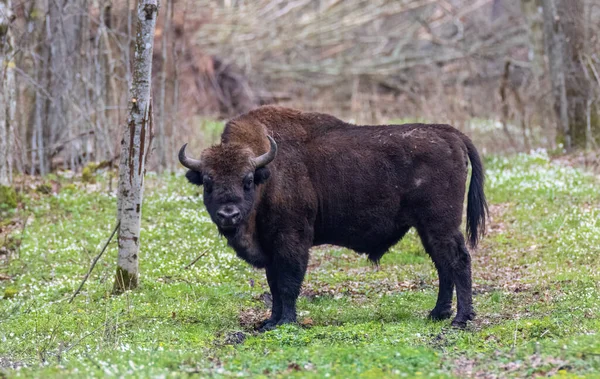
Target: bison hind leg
(453, 263)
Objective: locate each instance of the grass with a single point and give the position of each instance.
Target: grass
(536, 281)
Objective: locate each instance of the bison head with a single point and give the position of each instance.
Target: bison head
(230, 174)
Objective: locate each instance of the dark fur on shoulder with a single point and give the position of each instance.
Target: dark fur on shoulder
(361, 187)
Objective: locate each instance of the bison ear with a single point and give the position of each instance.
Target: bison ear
(194, 177)
(261, 175)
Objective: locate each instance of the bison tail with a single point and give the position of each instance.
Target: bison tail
(477, 208)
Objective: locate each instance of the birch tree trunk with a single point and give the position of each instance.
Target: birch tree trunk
(134, 149)
(7, 93)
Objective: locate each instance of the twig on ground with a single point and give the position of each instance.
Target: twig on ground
(104, 324)
(94, 262)
(84, 337)
(196, 260)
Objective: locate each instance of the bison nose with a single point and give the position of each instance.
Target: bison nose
(229, 215)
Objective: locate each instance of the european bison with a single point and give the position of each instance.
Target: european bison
(282, 180)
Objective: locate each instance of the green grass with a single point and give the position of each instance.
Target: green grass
(536, 281)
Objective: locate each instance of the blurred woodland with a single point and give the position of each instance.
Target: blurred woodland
(529, 68)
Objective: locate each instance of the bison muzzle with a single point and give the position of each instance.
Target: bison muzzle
(282, 181)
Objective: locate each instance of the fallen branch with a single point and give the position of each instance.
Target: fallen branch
(94, 262)
(196, 260)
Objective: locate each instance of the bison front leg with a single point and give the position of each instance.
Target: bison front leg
(285, 278)
(286, 274)
(289, 281)
(270, 323)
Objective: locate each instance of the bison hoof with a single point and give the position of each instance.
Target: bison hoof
(267, 325)
(285, 320)
(270, 324)
(440, 314)
(460, 321)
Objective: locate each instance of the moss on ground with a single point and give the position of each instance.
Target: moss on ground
(8, 198)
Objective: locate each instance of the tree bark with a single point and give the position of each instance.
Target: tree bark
(564, 35)
(8, 92)
(134, 149)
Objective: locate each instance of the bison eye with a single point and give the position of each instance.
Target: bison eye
(208, 183)
(248, 182)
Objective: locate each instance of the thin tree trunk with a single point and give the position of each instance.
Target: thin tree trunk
(12, 110)
(535, 31)
(89, 150)
(7, 93)
(134, 148)
(555, 41)
(177, 52)
(162, 144)
(564, 40)
(37, 138)
(21, 127)
(175, 106)
(505, 106)
(110, 77)
(103, 150)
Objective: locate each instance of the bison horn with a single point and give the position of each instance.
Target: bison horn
(191, 163)
(267, 157)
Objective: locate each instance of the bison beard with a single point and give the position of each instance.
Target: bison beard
(325, 181)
